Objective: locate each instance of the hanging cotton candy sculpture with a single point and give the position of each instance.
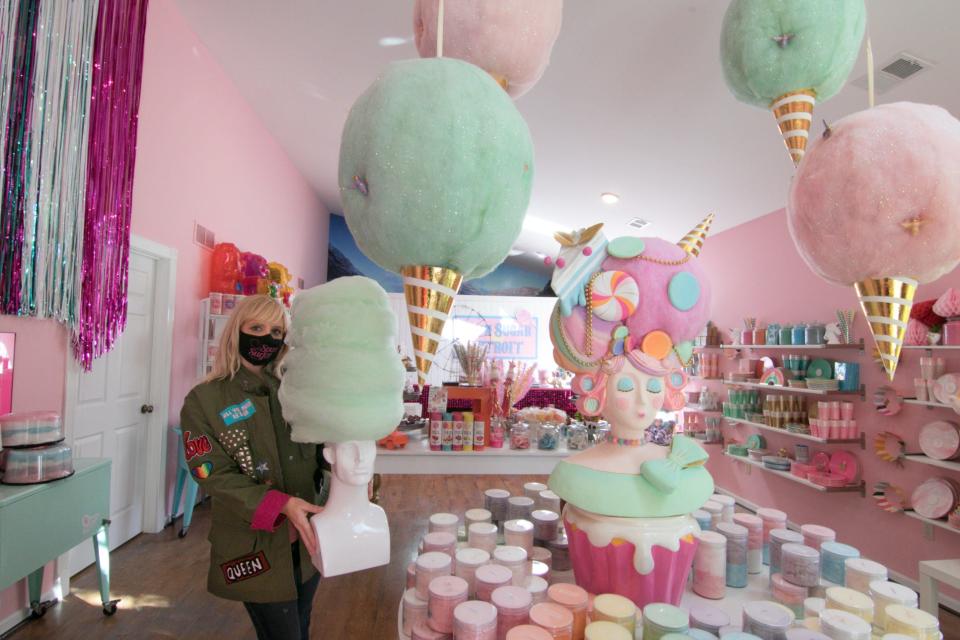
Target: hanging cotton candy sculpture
(436, 166)
(509, 40)
(785, 56)
(876, 205)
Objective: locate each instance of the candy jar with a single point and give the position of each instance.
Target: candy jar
(548, 437)
(520, 436)
(497, 432)
(577, 437)
(799, 334)
(773, 334)
(786, 334)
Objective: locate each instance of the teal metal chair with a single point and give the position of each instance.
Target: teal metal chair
(183, 477)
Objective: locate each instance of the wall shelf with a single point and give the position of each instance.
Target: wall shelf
(702, 378)
(696, 408)
(802, 436)
(711, 347)
(858, 346)
(854, 488)
(943, 464)
(927, 404)
(800, 390)
(936, 347)
(930, 521)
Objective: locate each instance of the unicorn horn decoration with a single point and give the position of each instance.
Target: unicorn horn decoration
(692, 243)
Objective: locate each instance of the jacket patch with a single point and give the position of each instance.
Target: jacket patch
(202, 471)
(238, 412)
(245, 568)
(193, 447)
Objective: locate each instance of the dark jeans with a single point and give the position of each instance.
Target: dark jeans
(286, 620)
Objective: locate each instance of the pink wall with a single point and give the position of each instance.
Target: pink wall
(757, 272)
(202, 155)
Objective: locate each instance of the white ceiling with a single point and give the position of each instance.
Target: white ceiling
(633, 101)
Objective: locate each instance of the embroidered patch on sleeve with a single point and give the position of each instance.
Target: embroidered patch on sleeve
(236, 442)
(245, 568)
(193, 447)
(238, 412)
(202, 471)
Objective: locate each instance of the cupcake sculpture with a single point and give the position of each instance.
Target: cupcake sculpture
(627, 312)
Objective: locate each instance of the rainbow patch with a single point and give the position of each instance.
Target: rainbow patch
(202, 471)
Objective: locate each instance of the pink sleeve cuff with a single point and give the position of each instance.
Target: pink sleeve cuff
(267, 517)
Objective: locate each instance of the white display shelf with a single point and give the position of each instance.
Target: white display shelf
(936, 347)
(701, 378)
(696, 408)
(800, 390)
(417, 458)
(802, 436)
(944, 464)
(854, 488)
(936, 523)
(927, 403)
(858, 346)
(713, 347)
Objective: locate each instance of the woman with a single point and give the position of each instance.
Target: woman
(264, 486)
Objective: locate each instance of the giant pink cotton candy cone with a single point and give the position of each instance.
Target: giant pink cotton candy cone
(880, 196)
(510, 40)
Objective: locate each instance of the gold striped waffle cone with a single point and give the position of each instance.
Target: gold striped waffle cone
(794, 114)
(886, 303)
(429, 292)
(692, 243)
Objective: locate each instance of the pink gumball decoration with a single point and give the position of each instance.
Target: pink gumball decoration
(510, 40)
(880, 197)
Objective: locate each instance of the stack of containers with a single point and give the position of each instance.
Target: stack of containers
(576, 600)
(475, 620)
(710, 565)
(556, 620)
(912, 622)
(736, 571)
(513, 608)
(814, 535)
(860, 572)
(778, 538)
(851, 601)
(715, 509)
(772, 519)
(617, 610)
(660, 619)
(754, 527)
(885, 594)
(833, 558)
(766, 619)
(708, 618)
(728, 505)
(843, 625)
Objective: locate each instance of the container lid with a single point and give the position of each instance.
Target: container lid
(778, 582)
(569, 595)
(848, 599)
(701, 514)
(768, 614)
(836, 622)
(721, 499)
(536, 585)
(511, 598)
(785, 536)
(476, 614)
(444, 519)
(818, 531)
(899, 594)
(483, 528)
(29, 417)
(708, 615)
(448, 587)
(732, 530)
(535, 487)
(545, 515)
(478, 515)
(864, 566)
(603, 630)
(915, 618)
(434, 561)
(440, 539)
(518, 526)
(541, 554)
(528, 632)
(740, 635)
(538, 568)
(749, 521)
(423, 631)
(521, 501)
(895, 636)
(831, 548)
(711, 506)
(798, 550)
(411, 600)
(551, 616)
(666, 616)
(510, 554)
(497, 493)
(700, 634)
(712, 538)
(813, 606)
(773, 515)
(804, 634)
(614, 606)
(549, 495)
(472, 557)
(494, 574)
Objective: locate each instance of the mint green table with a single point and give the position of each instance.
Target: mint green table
(39, 522)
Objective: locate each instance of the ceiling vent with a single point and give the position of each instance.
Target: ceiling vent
(638, 223)
(902, 67)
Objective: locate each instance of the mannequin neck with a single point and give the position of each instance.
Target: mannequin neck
(346, 497)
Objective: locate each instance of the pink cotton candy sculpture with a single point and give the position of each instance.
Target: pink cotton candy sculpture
(876, 204)
(509, 40)
(948, 305)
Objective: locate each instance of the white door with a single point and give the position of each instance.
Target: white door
(110, 416)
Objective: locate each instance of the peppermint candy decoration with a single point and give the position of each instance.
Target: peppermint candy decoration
(615, 296)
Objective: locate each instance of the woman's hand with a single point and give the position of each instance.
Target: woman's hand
(298, 512)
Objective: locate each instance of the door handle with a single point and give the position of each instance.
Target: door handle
(147, 408)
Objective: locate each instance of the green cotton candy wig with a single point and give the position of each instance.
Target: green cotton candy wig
(772, 47)
(436, 166)
(342, 378)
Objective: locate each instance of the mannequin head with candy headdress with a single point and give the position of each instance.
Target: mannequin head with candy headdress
(627, 314)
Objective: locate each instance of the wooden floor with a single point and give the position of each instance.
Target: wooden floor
(162, 578)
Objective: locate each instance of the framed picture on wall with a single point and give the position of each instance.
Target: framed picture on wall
(7, 341)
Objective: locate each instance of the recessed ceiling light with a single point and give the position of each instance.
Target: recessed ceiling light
(393, 41)
(610, 198)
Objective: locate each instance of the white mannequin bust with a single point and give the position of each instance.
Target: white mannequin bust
(352, 533)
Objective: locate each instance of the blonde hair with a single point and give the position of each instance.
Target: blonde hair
(262, 308)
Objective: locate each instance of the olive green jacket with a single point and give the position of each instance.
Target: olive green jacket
(239, 450)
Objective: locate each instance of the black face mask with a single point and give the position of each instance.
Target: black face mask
(259, 350)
